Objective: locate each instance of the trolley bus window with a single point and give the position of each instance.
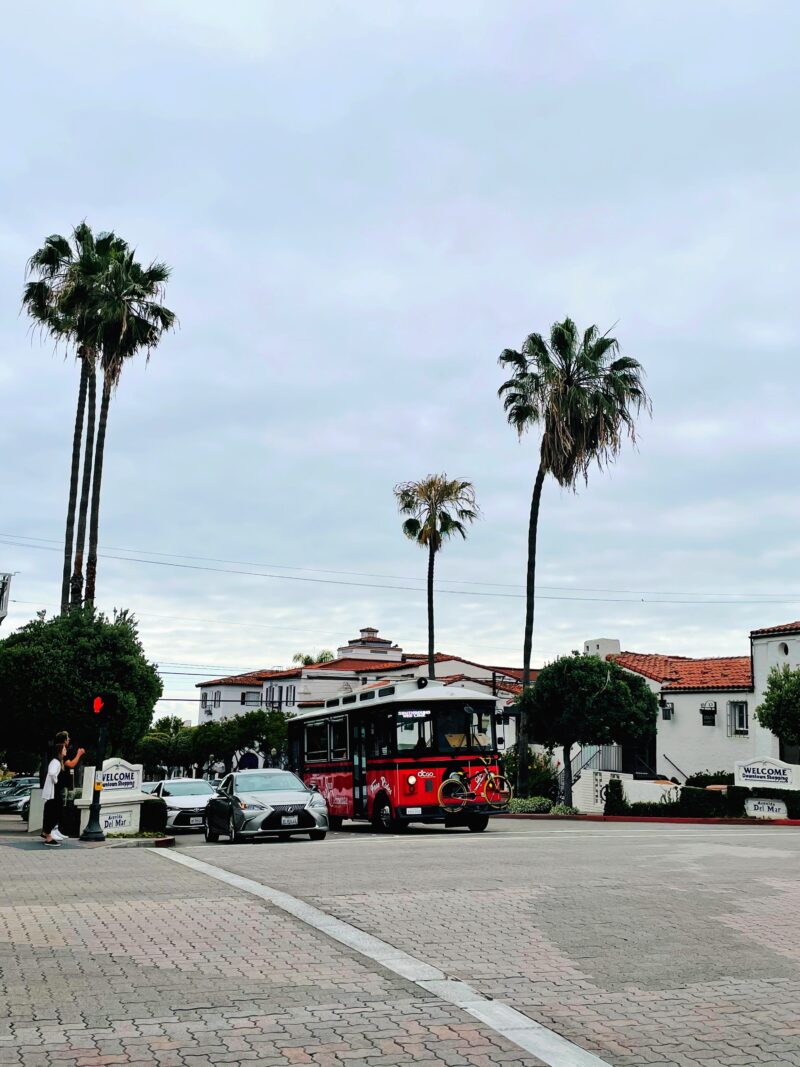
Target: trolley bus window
(316, 742)
(338, 738)
(379, 735)
(414, 735)
(480, 729)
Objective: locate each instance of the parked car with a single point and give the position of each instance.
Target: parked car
(186, 800)
(8, 784)
(16, 801)
(148, 787)
(256, 803)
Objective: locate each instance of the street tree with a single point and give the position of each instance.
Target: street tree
(49, 668)
(582, 397)
(435, 509)
(583, 700)
(780, 709)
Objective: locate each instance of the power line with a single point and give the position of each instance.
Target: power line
(644, 598)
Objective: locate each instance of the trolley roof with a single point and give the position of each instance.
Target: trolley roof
(408, 691)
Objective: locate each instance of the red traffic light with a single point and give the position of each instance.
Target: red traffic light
(102, 703)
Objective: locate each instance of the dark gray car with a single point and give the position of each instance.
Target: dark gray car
(257, 803)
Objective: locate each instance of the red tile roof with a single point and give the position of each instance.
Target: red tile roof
(680, 673)
(787, 628)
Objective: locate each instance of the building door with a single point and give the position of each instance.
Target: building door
(359, 749)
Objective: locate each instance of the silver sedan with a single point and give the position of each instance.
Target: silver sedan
(257, 803)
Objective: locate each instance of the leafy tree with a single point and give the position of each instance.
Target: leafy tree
(50, 667)
(308, 659)
(588, 701)
(169, 725)
(780, 709)
(436, 508)
(582, 397)
(154, 752)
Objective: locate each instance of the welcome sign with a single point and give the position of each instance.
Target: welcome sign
(766, 772)
(118, 774)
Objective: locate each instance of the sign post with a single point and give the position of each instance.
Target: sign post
(101, 705)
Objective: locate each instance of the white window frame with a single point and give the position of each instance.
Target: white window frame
(217, 697)
(291, 696)
(204, 700)
(251, 698)
(738, 719)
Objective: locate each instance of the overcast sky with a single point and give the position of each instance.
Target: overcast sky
(364, 203)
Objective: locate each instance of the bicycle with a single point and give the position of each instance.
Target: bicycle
(455, 792)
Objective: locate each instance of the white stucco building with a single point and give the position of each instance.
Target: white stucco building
(707, 705)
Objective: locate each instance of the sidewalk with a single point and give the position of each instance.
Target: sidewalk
(121, 958)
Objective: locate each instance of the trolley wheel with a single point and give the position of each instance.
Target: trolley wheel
(478, 823)
(453, 794)
(382, 819)
(498, 791)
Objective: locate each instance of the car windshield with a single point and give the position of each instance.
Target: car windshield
(186, 789)
(280, 781)
(444, 729)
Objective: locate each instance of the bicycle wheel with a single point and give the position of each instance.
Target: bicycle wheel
(497, 791)
(452, 794)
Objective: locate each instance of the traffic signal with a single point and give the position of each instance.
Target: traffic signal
(103, 704)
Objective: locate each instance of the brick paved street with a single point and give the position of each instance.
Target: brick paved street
(658, 945)
(112, 956)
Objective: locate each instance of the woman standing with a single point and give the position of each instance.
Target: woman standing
(50, 813)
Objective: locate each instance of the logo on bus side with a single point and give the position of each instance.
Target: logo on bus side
(424, 774)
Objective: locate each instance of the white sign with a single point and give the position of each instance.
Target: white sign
(414, 713)
(765, 809)
(115, 820)
(121, 775)
(766, 772)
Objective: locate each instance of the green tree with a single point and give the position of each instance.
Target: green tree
(169, 725)
(436, 508)
(50, 667)
(154, 752)
(780, 709)
(308, 659)
(583, 700)
(582, 396)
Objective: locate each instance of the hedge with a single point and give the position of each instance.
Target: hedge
(153, 816)
(696, 803)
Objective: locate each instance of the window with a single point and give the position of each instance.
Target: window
(217, 698)
(291, 695)
(708, 712)
(251, 698)
(668, 711)
(204, 700)
(379, 735)
(480, 729)
(338, 738)
(316, 742)
(737, 719)
(414, 733)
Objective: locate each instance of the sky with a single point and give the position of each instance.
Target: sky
(362, 205)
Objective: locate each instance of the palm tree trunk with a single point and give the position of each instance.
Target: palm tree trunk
(73, 488)
(523, 738)
(97, 479)
(76, 591)
(568, 774)
(431, 557)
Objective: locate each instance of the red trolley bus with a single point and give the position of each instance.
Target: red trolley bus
(400, 752)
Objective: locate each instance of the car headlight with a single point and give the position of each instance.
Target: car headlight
(317, 801)
(252, 807)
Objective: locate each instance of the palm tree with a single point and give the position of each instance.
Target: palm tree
(583, 396)
(128, 319)
(436, 508)
(308, 659)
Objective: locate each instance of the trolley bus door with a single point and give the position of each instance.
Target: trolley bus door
(359, 749)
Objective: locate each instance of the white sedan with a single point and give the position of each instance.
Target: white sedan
(186, 800)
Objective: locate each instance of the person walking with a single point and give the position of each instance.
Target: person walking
(50, 813)
(72, 758)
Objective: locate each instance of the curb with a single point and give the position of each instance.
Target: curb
(143, 842)
(654, 818)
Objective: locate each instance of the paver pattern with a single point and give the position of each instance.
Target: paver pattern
(112, 956)
(660, 947)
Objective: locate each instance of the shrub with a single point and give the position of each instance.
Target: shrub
(153, 816)
(564, 809)
(615, 803)
(543, 774)
(702, 804)
(658, 808)
(530, 805)
(704, 778)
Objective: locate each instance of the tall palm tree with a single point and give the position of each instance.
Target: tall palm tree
(436, 508)
(582, 396)
(128, 318)
(308, 659)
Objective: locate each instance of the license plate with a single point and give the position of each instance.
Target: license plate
(413, 811)
(290, 820)
(195, 820)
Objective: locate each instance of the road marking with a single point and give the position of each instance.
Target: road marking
(551, 1048)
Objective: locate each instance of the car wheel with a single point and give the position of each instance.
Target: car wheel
(233, 833)
(478, 823)
(210, 835)
(317, 835)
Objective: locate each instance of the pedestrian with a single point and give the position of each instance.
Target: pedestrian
(72, 757)
(50, 813)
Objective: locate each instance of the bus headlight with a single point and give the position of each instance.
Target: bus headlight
(412, 779)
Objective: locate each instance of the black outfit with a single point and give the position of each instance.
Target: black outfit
(50, 815)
